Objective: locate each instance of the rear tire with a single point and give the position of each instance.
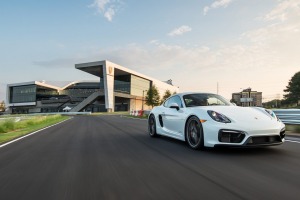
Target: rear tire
(194, 133)
(152, 126)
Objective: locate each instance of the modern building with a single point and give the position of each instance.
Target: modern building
(247, 98)
(118, 89)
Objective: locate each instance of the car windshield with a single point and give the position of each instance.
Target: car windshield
(192, 100)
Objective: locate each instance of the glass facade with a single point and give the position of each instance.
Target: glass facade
(48, 99)
(138, 85)
(122, 84)
(82, 90)
(45, 93)
(23, 94)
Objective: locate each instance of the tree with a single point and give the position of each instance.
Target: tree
(152, 97)
(166, 95)
(293, 89)
(275, 103)
(2, 106)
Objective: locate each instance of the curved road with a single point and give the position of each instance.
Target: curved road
(109, 157)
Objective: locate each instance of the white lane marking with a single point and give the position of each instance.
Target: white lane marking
(292, 141)
(20, 138)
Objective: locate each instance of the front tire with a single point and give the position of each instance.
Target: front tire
(152, 126)
(194, 133)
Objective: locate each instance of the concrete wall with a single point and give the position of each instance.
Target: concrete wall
(162, 87)
(108, 77)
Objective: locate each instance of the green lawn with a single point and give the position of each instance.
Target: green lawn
(293, 128)
(10, 129)
(138, 117)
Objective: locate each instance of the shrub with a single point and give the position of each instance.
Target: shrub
(7, 126)
(30, 122)
(293, 128)
(2, 129)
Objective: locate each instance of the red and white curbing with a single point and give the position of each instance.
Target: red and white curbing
(138, 112)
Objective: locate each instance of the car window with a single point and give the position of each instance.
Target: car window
(204, 100)
(175, 99)
(166, 103)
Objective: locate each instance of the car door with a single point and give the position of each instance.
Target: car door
(174, 119)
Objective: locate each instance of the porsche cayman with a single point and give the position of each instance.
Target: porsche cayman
(209, 120)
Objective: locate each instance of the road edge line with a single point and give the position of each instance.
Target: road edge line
(292, 141)
(24, 136)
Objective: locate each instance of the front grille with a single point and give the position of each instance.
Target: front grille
(231, 136)
(263, 140)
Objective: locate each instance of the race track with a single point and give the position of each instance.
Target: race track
(112, 157)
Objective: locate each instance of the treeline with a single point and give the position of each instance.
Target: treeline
(292, 96)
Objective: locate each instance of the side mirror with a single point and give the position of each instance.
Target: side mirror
(174, 105)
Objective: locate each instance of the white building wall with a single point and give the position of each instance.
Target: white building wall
(162, 87)
(108, 77)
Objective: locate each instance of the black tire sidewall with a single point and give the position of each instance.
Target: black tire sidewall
(200, 145)
(149, 129)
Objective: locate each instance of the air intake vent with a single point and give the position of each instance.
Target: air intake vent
(231, 136)
(264, 140)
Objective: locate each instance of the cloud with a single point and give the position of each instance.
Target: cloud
(283, 10)
(107, 8)
(216, 4)
(58, 63)
(264, 58)
(179, 31)
(109, 14)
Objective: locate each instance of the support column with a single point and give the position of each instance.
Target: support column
(108, 77)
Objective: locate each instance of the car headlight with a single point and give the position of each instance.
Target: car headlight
(218, 116)
(272, 114)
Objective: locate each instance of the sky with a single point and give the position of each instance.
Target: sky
(213, 46)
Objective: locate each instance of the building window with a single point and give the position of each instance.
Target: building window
(22, 94)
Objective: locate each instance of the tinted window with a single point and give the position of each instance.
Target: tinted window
(192, 100)
(166, 103)
(175, 99)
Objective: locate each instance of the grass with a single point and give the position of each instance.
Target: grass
(9, 129)
(293, 128)
(138, 117)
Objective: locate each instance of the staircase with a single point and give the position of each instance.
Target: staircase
(86, 101)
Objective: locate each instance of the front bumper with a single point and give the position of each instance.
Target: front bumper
(258, 141)
(230, 135)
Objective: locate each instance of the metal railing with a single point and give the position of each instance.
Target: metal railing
(288, 116)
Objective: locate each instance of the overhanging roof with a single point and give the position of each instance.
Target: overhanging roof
(43, 84)
(94, 68)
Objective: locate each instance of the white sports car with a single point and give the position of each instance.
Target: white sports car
(208, 120)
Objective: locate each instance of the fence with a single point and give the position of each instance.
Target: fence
(288, 116)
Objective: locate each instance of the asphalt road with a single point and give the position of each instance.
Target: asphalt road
(109, 157)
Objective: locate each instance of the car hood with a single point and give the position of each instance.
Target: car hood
(242, 114)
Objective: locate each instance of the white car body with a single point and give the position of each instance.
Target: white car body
(248, 126)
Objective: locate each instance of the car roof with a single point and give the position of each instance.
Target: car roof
(186, 93)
